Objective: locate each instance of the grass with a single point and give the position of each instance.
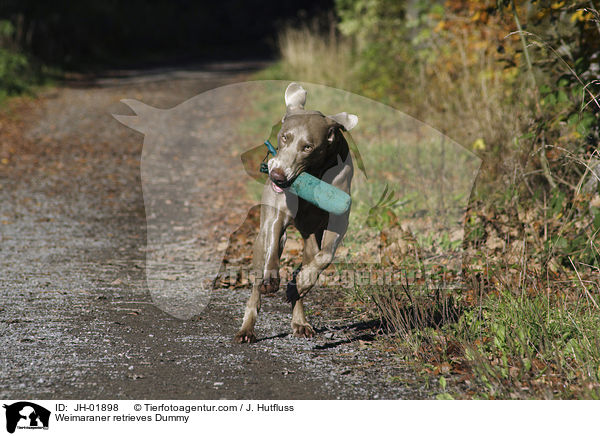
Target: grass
(301, 46)
(528, 346)
(531, 346)
(513, 344)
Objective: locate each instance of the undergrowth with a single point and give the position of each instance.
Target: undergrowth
(20, 74)
(516, 83)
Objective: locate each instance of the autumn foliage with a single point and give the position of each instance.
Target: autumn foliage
(516, 82)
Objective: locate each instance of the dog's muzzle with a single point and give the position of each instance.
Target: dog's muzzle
(276, 188)
(279, 181)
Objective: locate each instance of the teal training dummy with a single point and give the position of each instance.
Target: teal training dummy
(314, 190)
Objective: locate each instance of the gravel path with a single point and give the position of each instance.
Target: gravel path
(76, 317)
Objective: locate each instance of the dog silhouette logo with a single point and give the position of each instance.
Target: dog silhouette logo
(407, 218)
(26, 415)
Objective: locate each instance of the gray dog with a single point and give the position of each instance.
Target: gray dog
(311, 142)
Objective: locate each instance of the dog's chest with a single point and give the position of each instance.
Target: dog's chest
(310, 218)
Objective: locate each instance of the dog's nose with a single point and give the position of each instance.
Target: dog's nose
(277, 175)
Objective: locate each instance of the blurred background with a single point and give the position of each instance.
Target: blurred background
(515, 82)
(92, 34)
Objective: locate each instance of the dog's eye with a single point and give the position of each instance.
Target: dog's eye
(307, 148)
(284, 138)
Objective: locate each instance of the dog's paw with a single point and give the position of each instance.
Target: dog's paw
(302, 330)
(245, 337)
(269, 286)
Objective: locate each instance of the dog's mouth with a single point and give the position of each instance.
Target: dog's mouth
(281, 186)
(276, 188)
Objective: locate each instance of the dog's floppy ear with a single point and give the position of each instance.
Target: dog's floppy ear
(346, 120)
(295, 97)
(331, 134)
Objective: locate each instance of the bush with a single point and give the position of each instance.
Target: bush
(13, 73)
(514, 81)
(17, 73)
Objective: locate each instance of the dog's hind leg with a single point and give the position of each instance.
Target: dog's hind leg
(300, 326)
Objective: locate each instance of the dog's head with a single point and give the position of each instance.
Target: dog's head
(308, 140)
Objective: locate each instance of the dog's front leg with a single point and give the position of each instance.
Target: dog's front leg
(269, 246)
(309, 274)
(314, 262)
(267, 249)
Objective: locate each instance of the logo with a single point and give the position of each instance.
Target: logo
(26, 415)
(414, 232)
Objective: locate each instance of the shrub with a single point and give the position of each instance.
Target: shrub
(16, 70)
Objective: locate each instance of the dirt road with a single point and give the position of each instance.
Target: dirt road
(76, 318)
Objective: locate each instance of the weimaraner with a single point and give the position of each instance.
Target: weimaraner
(312, 142)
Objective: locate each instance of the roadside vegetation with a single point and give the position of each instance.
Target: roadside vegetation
(20, 73)
(516, 83)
